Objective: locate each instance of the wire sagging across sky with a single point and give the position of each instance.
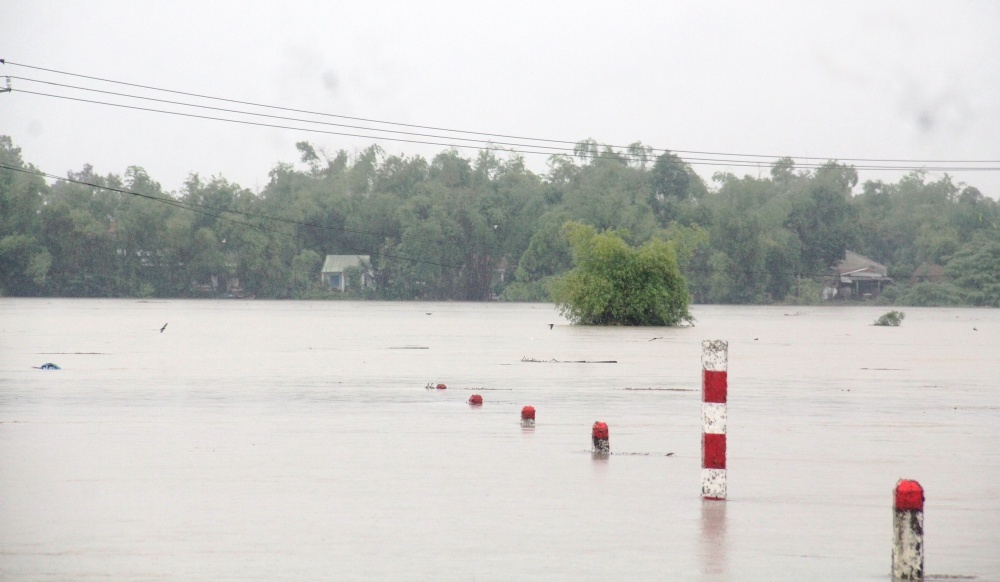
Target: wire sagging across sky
(439, 136)
(220, 213)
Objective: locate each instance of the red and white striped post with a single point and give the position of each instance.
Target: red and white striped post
(714, 364)
(908, 531)
(528, 417)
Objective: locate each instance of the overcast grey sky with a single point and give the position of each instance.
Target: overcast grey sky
(884, 80)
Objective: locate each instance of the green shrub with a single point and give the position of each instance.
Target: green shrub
(615, 284)
(892, 318)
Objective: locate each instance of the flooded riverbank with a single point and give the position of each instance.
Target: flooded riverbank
(295, 440)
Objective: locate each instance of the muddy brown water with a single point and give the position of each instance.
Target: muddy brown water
(254, 440)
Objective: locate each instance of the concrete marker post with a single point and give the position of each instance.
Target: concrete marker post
(599, 434)
(714, 388)
(908, 531)
(528, 417)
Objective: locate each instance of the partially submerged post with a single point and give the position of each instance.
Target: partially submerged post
(528, 417)
(714, 386)
(599, 434)
(908, 531)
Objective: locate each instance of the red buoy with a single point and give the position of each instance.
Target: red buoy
(441, 386)
(599, 434)
(528, 417)
(475, 400)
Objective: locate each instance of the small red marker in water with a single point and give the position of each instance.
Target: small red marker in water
(441, 386)
(908, 531)
(599, 434)
(528, 417)
(475, 400)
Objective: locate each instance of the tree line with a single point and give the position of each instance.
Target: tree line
(472, 229)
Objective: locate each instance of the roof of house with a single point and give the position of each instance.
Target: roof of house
(337, 263)
(857, 267)
(855, 263)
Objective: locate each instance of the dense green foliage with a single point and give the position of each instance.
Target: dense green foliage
(486, 227)
(614, 284)
(892, 318)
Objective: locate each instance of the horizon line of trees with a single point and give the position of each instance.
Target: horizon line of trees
(446, 228)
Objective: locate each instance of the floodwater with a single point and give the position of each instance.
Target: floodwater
(255, 440)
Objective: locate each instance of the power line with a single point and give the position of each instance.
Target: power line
(600, 155)
(555, 149)
(225, 110)
(203, 209)
(199, 209)
(496, 135)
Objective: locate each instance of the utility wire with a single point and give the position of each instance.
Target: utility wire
(602, 155)
(478, 142)
(201, 209)
(480, 133)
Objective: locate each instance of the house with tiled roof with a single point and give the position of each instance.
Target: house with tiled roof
(857, 277)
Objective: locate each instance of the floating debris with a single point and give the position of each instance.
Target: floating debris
(555, 361)
(891, 319)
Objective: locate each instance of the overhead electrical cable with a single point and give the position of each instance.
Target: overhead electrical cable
(203, 209)
(479, 143)
(600, 155)
(498, 135)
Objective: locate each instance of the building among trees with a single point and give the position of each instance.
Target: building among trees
(341, 272)
(857, 277)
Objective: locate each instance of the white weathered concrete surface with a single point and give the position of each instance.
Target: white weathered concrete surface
(908, 544)
(714, 355)
(713, 417)
(713, 483)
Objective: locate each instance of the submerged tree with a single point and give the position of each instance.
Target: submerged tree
(615, 284)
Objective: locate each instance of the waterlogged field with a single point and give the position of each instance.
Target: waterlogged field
(295, 440)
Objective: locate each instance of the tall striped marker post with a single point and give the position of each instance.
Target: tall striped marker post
(714, 364)
(908, 531)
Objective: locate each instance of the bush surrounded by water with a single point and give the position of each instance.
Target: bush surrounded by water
(892, 318)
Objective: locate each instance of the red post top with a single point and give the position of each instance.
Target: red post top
(476, 400)
(909, 496)
(441, 386)
(528, 412)
(600, 431)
